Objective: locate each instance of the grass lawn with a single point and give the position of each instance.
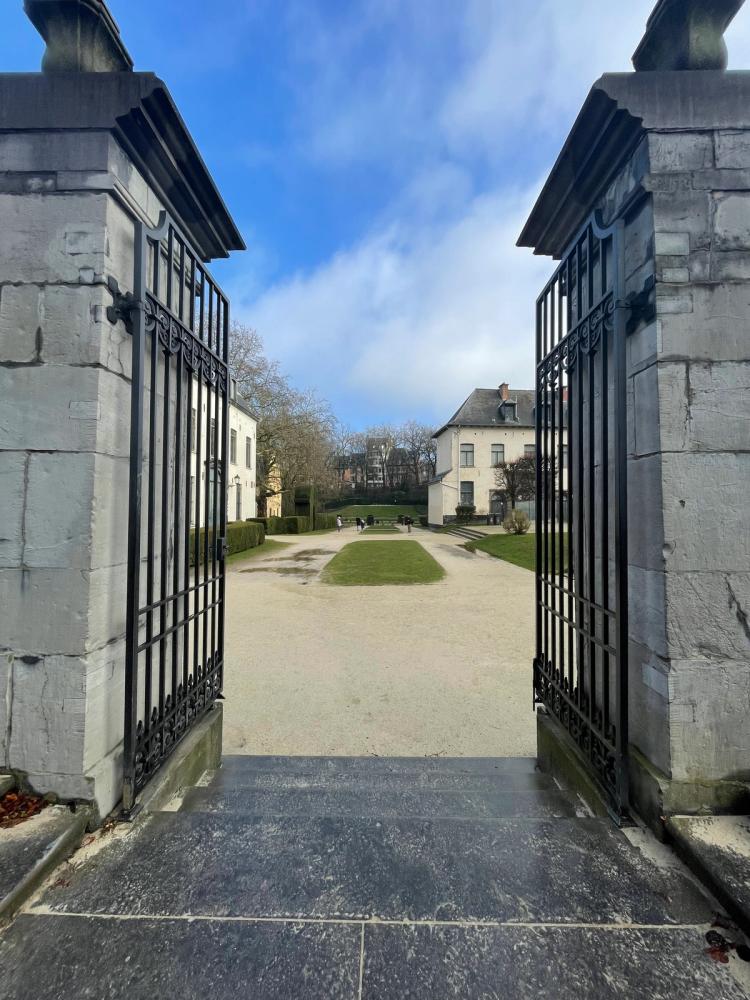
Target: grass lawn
(266, 549)
(517, 549)
(384, 510)
(380, 563)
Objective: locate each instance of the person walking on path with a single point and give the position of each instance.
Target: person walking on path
(339, 522)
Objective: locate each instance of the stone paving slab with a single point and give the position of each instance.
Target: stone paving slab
(237, 764)
(378, 803)
(718, 848)
(73, 958)
(30, 850)
(527, 963)
(560, 871)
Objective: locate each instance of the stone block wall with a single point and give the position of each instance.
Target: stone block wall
(689, 450)
(67, 207)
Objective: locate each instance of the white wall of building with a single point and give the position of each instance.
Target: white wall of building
(243, 439)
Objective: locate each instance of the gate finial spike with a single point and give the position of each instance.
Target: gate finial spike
(81, 36)
(686, 35)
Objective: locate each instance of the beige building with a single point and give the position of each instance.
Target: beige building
(490, 427)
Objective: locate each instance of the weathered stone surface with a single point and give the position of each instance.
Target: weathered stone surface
(20, 323)
(50, 239)
(680, 151)
(708, 719)
(644, 487)
(731, 221)
(671, 244)
(708, 616)
(49, 696)
(105, 697)
(719, 412)
(718, 849)
(59, 498)
(27, 152)
(12, 489)
(44, 610)
(648, 609)
(711, 490)
(196, 959)
(716, 329)
(62, 408)
(424, 963)
(548, 871)
(733, 149)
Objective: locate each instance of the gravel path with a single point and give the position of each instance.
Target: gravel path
(443, 668)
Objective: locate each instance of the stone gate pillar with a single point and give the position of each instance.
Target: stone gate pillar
(83, 155)
(668, 152)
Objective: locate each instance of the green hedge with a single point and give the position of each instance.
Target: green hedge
(240, 535)
(323, 521)
(423, 521)
(292, 525)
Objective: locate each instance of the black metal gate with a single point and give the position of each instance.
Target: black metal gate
(581, 663)
(179, 320)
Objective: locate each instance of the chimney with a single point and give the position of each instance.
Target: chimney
(504, 391)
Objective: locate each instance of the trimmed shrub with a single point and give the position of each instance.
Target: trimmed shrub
(464, 513)
(517, 522)
(291, 525)
(423, 521)
(323, 521)
(240, 535)
(258, 520)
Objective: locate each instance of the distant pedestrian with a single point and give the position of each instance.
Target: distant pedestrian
(339, 523)
(359, 523)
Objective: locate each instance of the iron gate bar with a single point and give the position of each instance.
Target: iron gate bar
(193, 338)
(581, 662)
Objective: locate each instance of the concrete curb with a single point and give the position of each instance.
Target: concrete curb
(58, 851)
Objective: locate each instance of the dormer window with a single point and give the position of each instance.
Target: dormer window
(507, 411)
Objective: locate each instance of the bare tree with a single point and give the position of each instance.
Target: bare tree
(418, 444)
(517, 479)
(295, 429)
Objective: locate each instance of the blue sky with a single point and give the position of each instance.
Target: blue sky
(380, 157)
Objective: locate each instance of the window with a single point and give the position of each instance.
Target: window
(529, 451)
(467, 456)
(211, 429)
(233, 447)
(467, 494)
(194, 431)
(239, 502)
(497, 454)
(565, 456)
(192, 498)
(248, 453)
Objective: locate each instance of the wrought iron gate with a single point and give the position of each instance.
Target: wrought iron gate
(179, 320)
(581, 663)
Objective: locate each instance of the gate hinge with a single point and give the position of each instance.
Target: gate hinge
(123, 305)
(221, 548)
(641, 304)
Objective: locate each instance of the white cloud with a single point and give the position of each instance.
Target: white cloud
(435, 298)
(415, 315)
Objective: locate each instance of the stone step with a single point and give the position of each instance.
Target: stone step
(545, 871)
(241, 763)
(436, 781)
(717, 848)
(380, 803)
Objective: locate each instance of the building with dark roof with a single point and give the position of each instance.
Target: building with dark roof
(490, 427)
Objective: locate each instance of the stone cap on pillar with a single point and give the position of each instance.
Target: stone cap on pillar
(686, 35)
(619, 110)
(138, 110)
(81, 36)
